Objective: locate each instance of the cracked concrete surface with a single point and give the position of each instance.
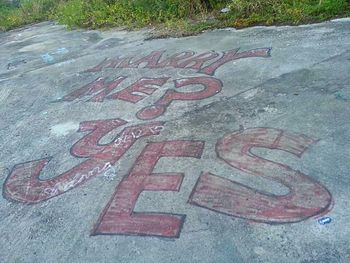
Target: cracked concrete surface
(301, 88)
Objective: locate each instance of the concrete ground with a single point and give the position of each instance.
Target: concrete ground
(229, 146)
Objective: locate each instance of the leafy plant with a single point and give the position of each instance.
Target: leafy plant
(250, 12)
(25, 12)
(172, 15)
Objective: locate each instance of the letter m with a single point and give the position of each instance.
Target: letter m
(98, 89)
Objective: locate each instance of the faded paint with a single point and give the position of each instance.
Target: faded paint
(119, 218)
(306, 197)
(24, 185)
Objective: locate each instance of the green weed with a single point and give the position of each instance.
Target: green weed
(26, 12)
(250, 12)
(179, 17)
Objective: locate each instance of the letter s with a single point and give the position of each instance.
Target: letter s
(306, 197)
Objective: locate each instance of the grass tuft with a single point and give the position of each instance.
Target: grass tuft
(267, 12)
(179, 17)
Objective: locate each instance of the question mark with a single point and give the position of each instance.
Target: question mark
(211, 85)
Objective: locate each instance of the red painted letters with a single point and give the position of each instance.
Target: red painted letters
(306, 197)
(231, 55)
(211, 85)
(203, 63)
(149, 61)
(198, 61)
(99, 88)
(144, 85)
(119, 218)
(173, 60)
(23, 183)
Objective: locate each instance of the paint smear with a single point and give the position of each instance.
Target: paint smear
(62, 50)
(63, 129)
(47, 58)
